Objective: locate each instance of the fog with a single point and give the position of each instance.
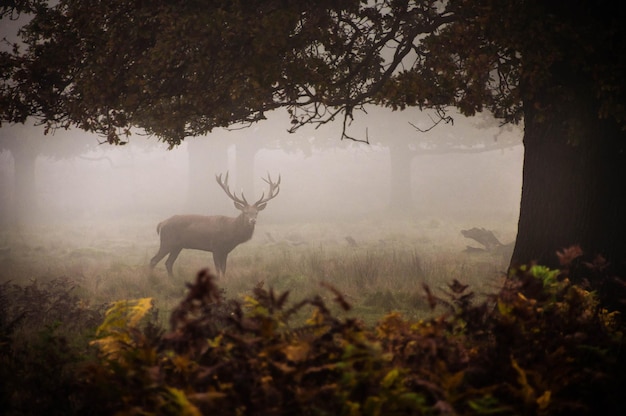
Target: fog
(323, 177)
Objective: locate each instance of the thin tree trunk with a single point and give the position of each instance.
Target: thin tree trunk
(25, 198)
(400, 199)
(207, 158)
(245, 155)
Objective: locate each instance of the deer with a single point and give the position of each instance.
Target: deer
(216, 233)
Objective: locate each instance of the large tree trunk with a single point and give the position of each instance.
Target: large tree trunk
(574, 191)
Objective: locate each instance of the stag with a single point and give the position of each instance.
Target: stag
(217, 233)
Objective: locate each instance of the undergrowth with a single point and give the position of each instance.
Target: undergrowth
(44, 334)
(545, 344)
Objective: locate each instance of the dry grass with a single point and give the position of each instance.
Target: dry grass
(381, 268)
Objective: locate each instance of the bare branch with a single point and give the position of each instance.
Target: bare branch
(442, 117)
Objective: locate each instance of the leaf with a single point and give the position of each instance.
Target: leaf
(454, 381)
(488, 405)
(544, 400)
(125, 313)
(528, 393)
(181, 405)
(120, 319)
(389, 379)
(504, 308)
(297, 353)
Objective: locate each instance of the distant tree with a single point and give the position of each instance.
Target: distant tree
(407, 140)
(182, 68)
(207, 156)
(26, 144)
(266, 136)
(248, 142)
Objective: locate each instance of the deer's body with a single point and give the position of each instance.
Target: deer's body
(217, 234)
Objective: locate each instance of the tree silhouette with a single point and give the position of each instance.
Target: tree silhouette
(25, 144)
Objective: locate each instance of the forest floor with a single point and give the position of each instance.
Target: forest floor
(379, 266)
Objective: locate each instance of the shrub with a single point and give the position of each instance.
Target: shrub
(43, 333)
(541, 345)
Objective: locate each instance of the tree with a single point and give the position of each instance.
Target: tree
(406, 141)
(206, 159)
(26, 144)
(209, 155)
(181, 68)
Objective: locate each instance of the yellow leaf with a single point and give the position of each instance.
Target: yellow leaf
(182, 363)
(504, 308)
(454, 380)
(544, 401)
(114, 332)
(528, 393)
(390, 378)
(125, 314)
(183, 406)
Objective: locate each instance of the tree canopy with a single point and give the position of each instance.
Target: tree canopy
(181, 68)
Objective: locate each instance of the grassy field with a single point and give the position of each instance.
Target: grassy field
(379, 265)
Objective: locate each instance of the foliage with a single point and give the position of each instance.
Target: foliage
(541, 345)
(550, 346)
(317, 60)
(43, 332)
(39, 304)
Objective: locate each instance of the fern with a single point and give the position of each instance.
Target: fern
(120, 325)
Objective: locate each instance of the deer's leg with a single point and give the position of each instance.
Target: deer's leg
(169, 263)
(220, 263)
(158, 256)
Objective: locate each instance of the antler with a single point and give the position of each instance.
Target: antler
(274, 190)
(224, 185)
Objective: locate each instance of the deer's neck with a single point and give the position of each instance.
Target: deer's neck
(244, 229)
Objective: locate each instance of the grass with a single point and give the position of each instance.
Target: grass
(481, 359)
(379, 266)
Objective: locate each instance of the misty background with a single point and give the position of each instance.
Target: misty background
(452, 177)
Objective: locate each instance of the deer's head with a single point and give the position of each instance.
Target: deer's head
(250, 211)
